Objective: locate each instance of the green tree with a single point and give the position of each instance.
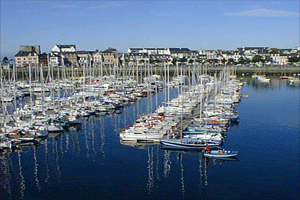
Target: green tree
(230, 61)
(174, 61)
(223, 61)
(183, 60)
(268, 59)
(191, 61)
(257, 59)
(247, 61)
(199, 60)
(275, 51)
(293, 59)
(241, 60)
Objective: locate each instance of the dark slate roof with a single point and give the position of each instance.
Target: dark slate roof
(179, 50)
(43, 55)
(249, 48)
(84, 52)
(22, 53)
(137, 54)
(66, 46)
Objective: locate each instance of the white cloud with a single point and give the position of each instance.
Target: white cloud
(262, 12)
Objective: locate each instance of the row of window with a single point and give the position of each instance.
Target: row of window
(108, 60)
(28, 58)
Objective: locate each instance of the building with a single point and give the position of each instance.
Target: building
(57, 48)
(150, 51)
(25, 59)
(279, 59)
(97, 57)
(182, 53)
(63, 54)
(69, 58)
(54, 59)
(27, 56)
(84, 58)
(254, 50)
(43, 59)
(28, 48)
(109, 56)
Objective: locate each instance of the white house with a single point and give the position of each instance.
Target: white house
(279, 59)
(27, 56)
(63, 48)
(84, 58)
(24, 59)
(54, 59)
(62, 52)
(97, 57)
(150, 51)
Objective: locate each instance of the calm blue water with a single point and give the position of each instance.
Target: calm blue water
(90, 163)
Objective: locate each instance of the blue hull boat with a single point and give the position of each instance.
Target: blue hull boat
(220, 154)
(186, 145)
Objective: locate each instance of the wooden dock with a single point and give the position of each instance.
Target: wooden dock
(187, 120)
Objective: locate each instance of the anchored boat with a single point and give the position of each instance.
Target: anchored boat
(220, 154)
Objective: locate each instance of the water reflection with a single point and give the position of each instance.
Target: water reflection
(22, 181)
(55, 153)
(167, 163)
(274, 83)
(46, 161)
(36, 169)
(150, 162)
(5, 178)
(97, 140)
(102, 136)
(155, 153)
(182, 174)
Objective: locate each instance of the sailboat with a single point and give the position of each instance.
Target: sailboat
(188, 143)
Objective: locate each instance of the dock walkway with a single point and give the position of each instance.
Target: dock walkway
(187, 120)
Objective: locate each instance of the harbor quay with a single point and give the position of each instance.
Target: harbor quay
(96, 71)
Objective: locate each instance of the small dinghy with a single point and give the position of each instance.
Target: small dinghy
(220, 154)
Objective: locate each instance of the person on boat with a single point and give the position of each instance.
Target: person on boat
(207, 149)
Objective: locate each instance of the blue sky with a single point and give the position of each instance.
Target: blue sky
(201, 24)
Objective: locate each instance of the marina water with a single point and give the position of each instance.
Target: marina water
(90, 162)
